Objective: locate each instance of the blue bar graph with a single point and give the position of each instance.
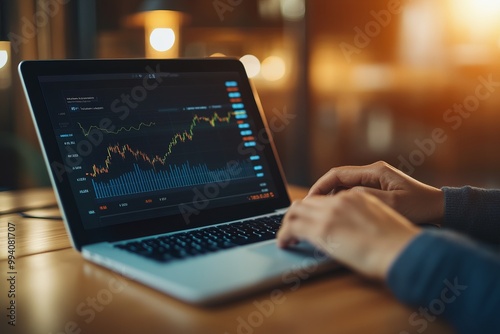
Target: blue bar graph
(175, 176)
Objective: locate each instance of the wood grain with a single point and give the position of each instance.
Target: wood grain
(58, 291)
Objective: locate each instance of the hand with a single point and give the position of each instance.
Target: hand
(355, 228)
(416, 201)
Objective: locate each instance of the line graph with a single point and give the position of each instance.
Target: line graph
(180, 137)
(123, 128)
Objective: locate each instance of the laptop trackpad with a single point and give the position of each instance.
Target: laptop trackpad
(303, 254)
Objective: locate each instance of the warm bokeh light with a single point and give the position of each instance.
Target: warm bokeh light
(293, 10)
(217, 54)
(379, 130)
(162, 39)
(327, 67)
(273, 68)
(484, 8)
(372, 77)
(479, 17)
(252, 65)
(4, 57)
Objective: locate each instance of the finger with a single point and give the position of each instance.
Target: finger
(284, 222)
(296, 224)
(286, 236)
(283, 238)
(346, 177)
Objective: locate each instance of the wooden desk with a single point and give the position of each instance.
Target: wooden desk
(57, 291)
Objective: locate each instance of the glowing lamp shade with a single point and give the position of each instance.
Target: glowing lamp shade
(251, 64)
(4, 57)
(273, 68)
(5, 65)
(162, 39)
(162, 28)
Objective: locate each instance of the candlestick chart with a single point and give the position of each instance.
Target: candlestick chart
(126, 169)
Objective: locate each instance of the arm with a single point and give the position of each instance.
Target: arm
(377, 240)
(438, 271)
(473, 211)
(458, 280)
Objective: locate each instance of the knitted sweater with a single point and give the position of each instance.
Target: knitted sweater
(454, 272)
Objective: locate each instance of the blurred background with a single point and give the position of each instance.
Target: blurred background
(415, 83)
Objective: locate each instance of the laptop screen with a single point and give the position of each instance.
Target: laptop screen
(150, 144)
(138, 147)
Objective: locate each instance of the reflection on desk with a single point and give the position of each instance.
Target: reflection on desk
(22, 200)
(57, 291)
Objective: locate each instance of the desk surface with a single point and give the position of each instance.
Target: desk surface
(57, 291)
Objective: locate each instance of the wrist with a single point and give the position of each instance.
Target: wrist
(436, 207)
(395, 251)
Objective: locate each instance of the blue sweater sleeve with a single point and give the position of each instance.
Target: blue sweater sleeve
(473, 211)
(442, 273)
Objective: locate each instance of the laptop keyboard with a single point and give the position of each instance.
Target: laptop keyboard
(212, 239)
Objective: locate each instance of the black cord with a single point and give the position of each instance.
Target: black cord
(27, 215)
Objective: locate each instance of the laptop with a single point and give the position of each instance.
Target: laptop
(165, 172)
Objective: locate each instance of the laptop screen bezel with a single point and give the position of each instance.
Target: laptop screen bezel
(31, 71)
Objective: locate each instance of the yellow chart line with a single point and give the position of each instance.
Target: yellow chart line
(138, 128)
